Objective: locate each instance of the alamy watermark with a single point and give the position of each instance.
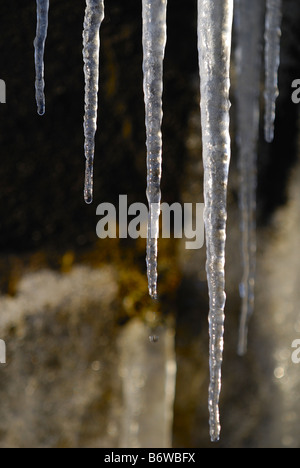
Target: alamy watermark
(184, 221)
(296, 93)
(2, 92)
(296, 353)
(2, 352)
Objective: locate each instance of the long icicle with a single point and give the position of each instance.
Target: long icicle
(249, 25)
(39, 46)
(272, 62)
(154, 43)
(94, 15)
(215, 33)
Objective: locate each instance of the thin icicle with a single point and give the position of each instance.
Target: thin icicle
(272, 62)
(249, 25)
(39, 45)
(154, 43)
(94, 15)
(215, 33)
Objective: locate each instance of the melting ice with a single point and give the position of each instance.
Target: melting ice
(94, 15)
(214, 46)
(39, 45)
(154, 43)
(214, 34)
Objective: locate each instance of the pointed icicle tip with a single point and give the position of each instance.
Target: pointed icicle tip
(154, 44)
(94, 15)
(214, 44)
(89, 183)
(41, 111)
(88, 198)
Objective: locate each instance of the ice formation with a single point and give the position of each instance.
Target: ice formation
(39, 45)
(249, 26)
(214, 45)
(154, 43)
(94, 16)
(214, 34)
(272, 61)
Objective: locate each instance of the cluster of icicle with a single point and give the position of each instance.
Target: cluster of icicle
(215, 22)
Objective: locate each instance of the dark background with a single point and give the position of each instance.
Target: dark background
(43, 161)
(42, 158)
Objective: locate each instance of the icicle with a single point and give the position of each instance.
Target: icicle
(249, 21)
(154, 43)
(272, 61)
(94, 16)
(215, 32)
(39, 45)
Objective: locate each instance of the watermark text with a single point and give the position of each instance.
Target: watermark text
(296, 353)
(2, 352)
(181, 221)
(296, 93)
(2, 92)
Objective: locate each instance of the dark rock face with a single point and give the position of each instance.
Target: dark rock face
(43, 216)
(43, 162)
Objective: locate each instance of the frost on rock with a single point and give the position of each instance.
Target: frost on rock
(214, 37)
(154, 43)
(94, 16)
(39, 46)
(272, 62)
(249, 27)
